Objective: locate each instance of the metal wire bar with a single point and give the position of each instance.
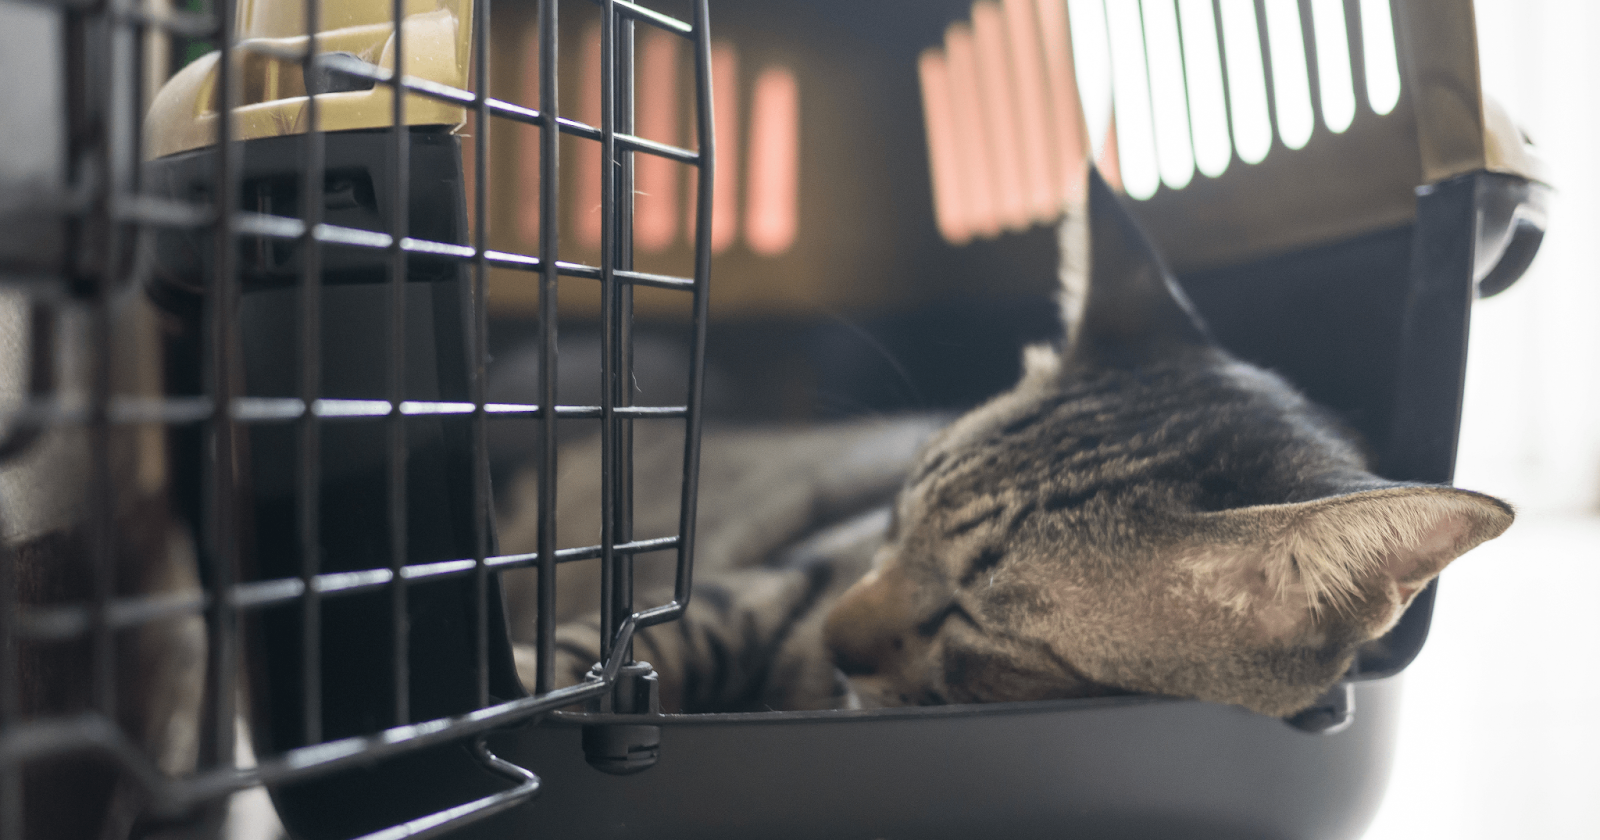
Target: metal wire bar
(549, 249)
(220, 493)
(635, 12)
(621, 339)
(180, 411)
(308, 493)
(10, 695)
(65, 5)
(479, 339)
(439, 822)
(399, 207)
(90, 274)
(131, 142)
(93, 733)
(156, 211)
(706, 126)
(516, 113)
(633, 143)
(102, 502)
(609, 229)
(178, 214)
(660, 281)
(620, 641)
(62, 623)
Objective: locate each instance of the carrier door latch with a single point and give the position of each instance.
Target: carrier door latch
(622, 749)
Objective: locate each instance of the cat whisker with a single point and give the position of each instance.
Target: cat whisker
(917, 399)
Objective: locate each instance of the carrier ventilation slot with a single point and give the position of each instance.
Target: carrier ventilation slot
(1164, 89)
(757, 200)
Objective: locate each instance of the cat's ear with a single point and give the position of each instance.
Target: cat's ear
(1361, 556)
(1119, 303)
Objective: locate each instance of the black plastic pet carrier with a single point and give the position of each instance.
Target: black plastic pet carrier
(248, 428)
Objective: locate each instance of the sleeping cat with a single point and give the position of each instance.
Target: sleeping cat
(1141, 513)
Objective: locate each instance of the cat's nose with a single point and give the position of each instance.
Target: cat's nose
(867, 628)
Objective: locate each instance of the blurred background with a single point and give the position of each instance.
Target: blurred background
(1498, 737)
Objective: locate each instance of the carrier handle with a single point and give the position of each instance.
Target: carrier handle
(1512, 217)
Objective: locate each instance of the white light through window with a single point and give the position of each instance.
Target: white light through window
(1290, 82)
(1247, 83)
(1168, 99)
(1383, 67)
(1333, 64)
(1208, 111)
(1291, 86)
(1091, 61)
(1131, 93)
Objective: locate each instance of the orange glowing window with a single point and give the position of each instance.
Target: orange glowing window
(944, 157)
(664, 199)
(772, 211)
(1008, 144)
(978, 182)
(1071, 142)
(656, 110)
(999, 112)
(1040, 178)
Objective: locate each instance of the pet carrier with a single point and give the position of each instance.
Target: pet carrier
(314, 379)
(1355, 193)
(256, 322)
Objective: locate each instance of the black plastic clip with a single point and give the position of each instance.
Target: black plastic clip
(622, 749)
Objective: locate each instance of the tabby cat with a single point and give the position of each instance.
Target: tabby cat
(1141, 513)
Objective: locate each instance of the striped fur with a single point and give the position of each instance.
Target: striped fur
(1141, 513)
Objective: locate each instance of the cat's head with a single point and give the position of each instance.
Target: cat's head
(1144, 513)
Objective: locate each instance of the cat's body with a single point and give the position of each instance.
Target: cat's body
(790, 517)
(1141, 513)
